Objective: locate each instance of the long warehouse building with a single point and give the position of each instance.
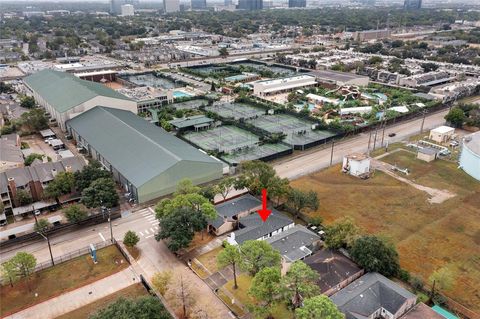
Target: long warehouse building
(146, 160)
(65, 96)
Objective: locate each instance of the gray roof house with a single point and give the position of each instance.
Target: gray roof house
(294, 244)
(145, 159)
(230, 211)
(65, 96)
(253, 228)
(373, 296)
(10, 154)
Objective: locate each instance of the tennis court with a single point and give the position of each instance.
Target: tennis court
(189, 105)
(299, 132)
(223, 138)
(235, 110)
(255, 152)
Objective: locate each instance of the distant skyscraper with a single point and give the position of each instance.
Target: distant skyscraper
(171, 6)
(116, 5)
(412, 4)
(227, 3)
(250, 4)
(297, 3)
(128, 10)
(199, 4)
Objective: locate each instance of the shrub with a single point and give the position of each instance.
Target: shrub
(131, 238)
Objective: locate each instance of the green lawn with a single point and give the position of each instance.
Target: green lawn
(428, 236)
(244, 282)
(59, 279)
(133, 291)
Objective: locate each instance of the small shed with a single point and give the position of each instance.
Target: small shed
(442, 134)
(427, 154)
(357, 165)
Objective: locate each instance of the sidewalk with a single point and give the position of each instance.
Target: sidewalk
(80, 297)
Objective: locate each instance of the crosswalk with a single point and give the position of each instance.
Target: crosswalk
(149, 215)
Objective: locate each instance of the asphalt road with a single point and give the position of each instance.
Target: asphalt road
(318, 159)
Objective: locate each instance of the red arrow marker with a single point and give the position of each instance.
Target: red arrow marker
(264, 212)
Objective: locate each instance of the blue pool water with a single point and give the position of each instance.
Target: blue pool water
(177, 94)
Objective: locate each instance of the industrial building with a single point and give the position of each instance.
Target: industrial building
(340, 78)
(146, 160)
(470, 156)
(441, 134)
(64, 96)
(271, 87)
(127, 10)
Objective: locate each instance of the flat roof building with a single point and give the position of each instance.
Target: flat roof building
(340, 78)
(65, 96)
(146, 160)
(270, 87)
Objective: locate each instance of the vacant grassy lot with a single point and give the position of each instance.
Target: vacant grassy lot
(241, 293)
(59, 279)
(84, 312)
(209, 260)
(428, 236)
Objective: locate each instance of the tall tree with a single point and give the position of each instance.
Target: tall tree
(299, 283)
(24, 265)
(88, 174)
(224, 187)
(278, 189)
(74, 213)
(318, 307)
(42, 226)
(146, 307)
(375, 255)
(456, 117)
(62, 184)
(27, 102)
(185, 186)
(230, 255)
(265, 289)
(9, 272)
(341, 233)
(161, 281)
(179, 227)
(23, 197)
(101, 192)
(258, 254)
(256, 175)
(180, 294)
(300, 200)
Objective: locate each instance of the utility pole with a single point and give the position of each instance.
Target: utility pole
(369, 139)
(423, 121)
(49, 247)
(375, 138)
(110, 222)
(331, 153)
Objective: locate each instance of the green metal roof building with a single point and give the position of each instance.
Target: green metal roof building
(64, 95)
(144, 158)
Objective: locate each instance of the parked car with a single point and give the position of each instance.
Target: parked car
(36, 212)
(392, 134)
(453, 143)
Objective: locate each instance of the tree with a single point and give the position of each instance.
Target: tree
(146, 307)
(42, 226)
(193, 201)
(375, 255)
(258, 254)
(429, 67)
(131, 238)
(88, 174)
(185, 186)
(256, 176)
(265, 289)
(161, 281)
(443, 279)
(31, 157)
(299, 200)
(212, 87)
(101, 192)
(74, 213)
(24, 265)
(9, 272)
(62, 184)
(278, 189)
(27, 102)
(456, 117)
(341, 233)
(23, 197)
(223, 52)
(299, 283)
(179, 227)
(318, 307)
(34, 119)
(225, 186)
(230, 255)
(180, 294)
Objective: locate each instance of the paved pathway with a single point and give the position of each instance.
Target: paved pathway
(80, 297)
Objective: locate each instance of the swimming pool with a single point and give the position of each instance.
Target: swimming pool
(180, 94)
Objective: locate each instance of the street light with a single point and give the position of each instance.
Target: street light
(110, 221)
(49, 247)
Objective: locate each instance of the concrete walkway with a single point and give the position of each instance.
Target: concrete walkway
(80, 297)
